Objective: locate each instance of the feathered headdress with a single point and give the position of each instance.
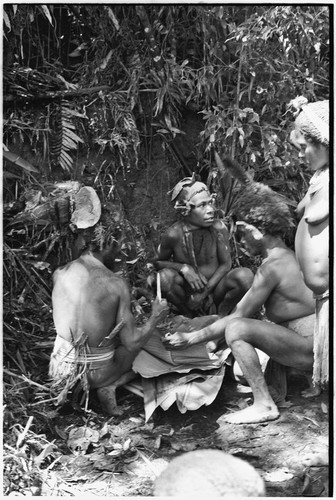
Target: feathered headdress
(257, 204)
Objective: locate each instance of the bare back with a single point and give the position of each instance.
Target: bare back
(86, 298)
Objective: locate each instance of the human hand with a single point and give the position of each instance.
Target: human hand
(176, 341)
(160, 309)
(196, 280)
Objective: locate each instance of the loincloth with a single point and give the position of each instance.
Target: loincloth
(72, 364)
(321, 340)
(303, 326)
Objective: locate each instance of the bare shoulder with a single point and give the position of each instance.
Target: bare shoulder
(279, 263)
(175, 229)
(173, 233)
(88, 271)
(65, 270)
(220, 226)
(222, 231)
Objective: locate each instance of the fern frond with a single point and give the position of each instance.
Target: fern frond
(64, 139)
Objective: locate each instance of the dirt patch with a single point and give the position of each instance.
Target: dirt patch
(122, 456)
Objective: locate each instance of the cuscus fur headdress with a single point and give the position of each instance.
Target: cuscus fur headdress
(312, 119)
(257, 203)
(184, 191)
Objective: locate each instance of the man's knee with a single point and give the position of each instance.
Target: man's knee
(243, 276)
(236, 329)
(168, 278)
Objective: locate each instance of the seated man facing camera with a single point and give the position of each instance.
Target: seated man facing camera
(194, 259)
(97, 340)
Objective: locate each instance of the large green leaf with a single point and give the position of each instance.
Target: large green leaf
(19, 162)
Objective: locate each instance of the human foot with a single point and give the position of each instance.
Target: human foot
(253, 414)
(107, 398)
(311, 392)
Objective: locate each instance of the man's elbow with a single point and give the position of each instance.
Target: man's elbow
(133, 344)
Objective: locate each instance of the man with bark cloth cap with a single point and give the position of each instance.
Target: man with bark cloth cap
(193, 257)
(311, 138)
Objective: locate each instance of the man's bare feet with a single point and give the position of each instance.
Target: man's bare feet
(311, 392)
(107, 398)
(253, 414)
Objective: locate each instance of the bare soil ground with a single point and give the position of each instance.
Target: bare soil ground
(89, 453)
(50, 451)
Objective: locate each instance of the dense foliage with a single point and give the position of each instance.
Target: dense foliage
(94, 78)
(109, 75)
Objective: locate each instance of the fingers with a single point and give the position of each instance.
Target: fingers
(197, 285)
(160, 303)
(173, 341)
(203, 279)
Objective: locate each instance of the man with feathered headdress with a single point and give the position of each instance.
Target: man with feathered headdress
(194, 259)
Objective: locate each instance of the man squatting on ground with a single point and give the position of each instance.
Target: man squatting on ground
(97, 340)
(194, 258)
(311, 137)
(287, 336)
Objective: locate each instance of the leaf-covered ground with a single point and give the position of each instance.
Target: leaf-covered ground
(50, 451)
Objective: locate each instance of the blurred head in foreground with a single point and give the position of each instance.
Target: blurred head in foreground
(209, 473)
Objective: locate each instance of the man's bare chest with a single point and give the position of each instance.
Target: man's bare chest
(198, 247)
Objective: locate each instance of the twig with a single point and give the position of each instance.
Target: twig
(114, 332)
(24, 433)
(26, 379)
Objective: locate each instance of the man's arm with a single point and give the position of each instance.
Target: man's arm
(170, 240)
(224, 258)
(264, 282)
(134, 338)
(166, 252)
